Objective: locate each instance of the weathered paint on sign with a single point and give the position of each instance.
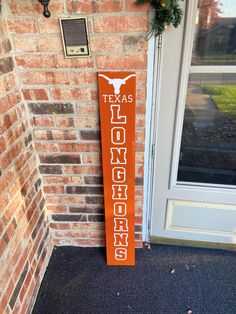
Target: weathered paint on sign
(117, 97)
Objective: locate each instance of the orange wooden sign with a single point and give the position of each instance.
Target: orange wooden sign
(117, 96)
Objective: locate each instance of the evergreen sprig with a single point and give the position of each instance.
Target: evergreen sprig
(166, 12)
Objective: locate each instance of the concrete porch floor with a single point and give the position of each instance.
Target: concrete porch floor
(166, 280)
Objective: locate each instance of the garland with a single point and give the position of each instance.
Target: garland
(166, 12)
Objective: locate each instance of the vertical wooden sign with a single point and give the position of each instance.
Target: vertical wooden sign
(117, 97)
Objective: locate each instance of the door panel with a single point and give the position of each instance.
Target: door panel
(194, 192)
(208, 147)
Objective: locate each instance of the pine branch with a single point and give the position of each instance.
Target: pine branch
(166, 12)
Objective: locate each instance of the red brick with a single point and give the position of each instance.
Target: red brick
(64, 199)
(7, 83)
(52, 62)
(28, 297)
(87, 122)
(139, 170)
(77, 180)
(118, 24)
(49, 44)
(106, 43)
(28, 44)
(14, 133)
(71, 234)
(60, 226)
(43, 121)
(2, 145)
(55, 135)
(64, 122)
(140, 121)
(54, 189)
(11, 228)
(83, 78)
(140, 109)
(20, 26)
(56, 209)
(132, 6)
(101, 6)
(135, 43)
(134, 61)
(56, 180)
(38, 44)
(141, 78)
(140, 136)
(79, 147)
(66, 94)
(91, 169)
(25, 285)
(87, 109)
(35, 94)
(73, 94)
(53, 78)
(5, 298)
(97, 234)
(139, 147)
(138, 220)
(46, 147)
(8, 120)
(56, 7)
(139, 244)
(21, 7)
(94, 159)
(8, 102)
(48, 25)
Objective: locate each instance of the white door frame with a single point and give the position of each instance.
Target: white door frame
(154, 72)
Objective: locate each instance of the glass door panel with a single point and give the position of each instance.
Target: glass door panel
(208, 144)
(215, 38)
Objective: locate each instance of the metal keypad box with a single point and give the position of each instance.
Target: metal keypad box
(75, 37)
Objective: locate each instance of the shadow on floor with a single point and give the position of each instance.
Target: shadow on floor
(165, 280)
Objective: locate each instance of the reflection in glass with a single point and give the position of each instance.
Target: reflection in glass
(208, 147)
(215, 38)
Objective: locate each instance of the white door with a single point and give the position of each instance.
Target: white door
(194, 185)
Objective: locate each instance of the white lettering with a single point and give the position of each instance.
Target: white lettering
(119, 192)
(120, 209)
(118, 174)
(121, 254)
(116, 118)
(118, 136)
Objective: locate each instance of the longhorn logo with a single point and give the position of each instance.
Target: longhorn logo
(117, 82)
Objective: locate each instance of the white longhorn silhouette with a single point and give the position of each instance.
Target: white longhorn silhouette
(117, 82)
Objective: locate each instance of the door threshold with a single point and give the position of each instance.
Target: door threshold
(191, 243)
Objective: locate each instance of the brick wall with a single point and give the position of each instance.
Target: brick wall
(62, 99)
(23, 229)
(51, 176)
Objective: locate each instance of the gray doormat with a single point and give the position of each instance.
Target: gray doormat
(165, 280)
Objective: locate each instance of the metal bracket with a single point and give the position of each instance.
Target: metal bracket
(45, 4)
(153, 150)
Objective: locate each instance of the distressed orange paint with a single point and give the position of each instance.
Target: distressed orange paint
(117, 97)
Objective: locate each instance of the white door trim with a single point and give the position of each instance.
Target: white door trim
(154, 69)
(173, 213)
(147, 184)
(187, 46)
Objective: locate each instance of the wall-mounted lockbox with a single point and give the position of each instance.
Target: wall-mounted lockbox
(75, 37)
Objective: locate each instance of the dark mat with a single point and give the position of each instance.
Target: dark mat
(165, 280)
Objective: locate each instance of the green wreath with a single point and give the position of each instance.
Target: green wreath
(166, 12)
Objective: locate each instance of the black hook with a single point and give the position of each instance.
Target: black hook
(45, 4)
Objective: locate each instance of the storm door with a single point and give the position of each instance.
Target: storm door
(194, 194)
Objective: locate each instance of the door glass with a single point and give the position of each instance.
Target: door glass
(208, 145)
(208, 148)
(215, 38)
